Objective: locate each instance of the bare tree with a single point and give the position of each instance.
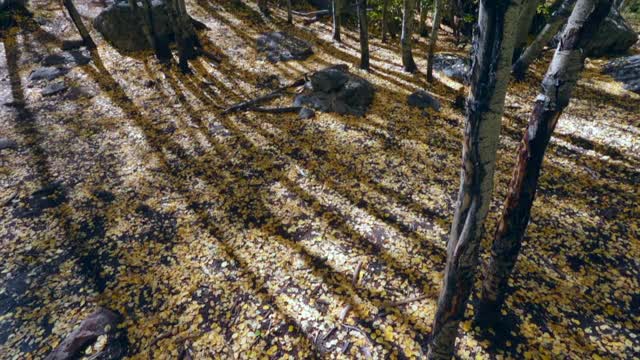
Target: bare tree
(533, 51)
(364, 34)
(557, 87)
(407, 32)
(77, 20)
(493, 48)
(336, 6)
(438, 8)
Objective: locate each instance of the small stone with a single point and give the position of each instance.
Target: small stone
(76, 93)
(281, 46)
(423, 100)
(46, 73)
(7, 144)
(55, 59)
(54, 88)
(306, 113)
(453, 66)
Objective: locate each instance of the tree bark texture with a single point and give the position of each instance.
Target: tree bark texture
(533, 51)
(185, 34)
(557, 86)
(385, 20)
(524, 24)
(77, 20)
(438, 8)
(493, 49)
(364, 34)
(407, 32)
(336, 6)
(422, 27)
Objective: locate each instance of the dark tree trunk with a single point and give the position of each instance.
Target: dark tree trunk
(364, 34)
(422, 28)
(289, 14)
(493, 48)
(533, 51)
(405, 39)
(557, 86)
(160, 46)
(185, 34)
(385, 20)
(77, 20)
(524, 24)
(435, 26)
(336, 6)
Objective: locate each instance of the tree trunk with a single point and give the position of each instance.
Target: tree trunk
(493, 48)
(557, 19)
(524, 24)
(435, 26)
(160, 46)
(336, 6)
(557, 86)
(364, 34)
(185, 34)
(289, 14)
(405, 39)
(385, 20)
(422, 28)
(77, 20)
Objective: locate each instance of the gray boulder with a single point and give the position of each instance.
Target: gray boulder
(625, 70)
(46, 73)
(122, 29)
(334, 89)
(281, 46)
(454, 66)
(422, 100)
(614, 36)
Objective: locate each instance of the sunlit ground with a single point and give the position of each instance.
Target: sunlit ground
(238, 236)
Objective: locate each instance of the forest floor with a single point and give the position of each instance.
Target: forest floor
(238, 236)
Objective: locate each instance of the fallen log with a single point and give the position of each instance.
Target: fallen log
(244, 105)
(276, 110)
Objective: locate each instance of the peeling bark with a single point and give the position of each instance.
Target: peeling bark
(435, 26)
(493, 50)
(557, 86)
(408, 63)
(533, 51)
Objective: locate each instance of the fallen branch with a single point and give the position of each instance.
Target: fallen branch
(356, 274)
(277, 110)
(344, 312)
(406, 301)
(311, 13)
(272, 95)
